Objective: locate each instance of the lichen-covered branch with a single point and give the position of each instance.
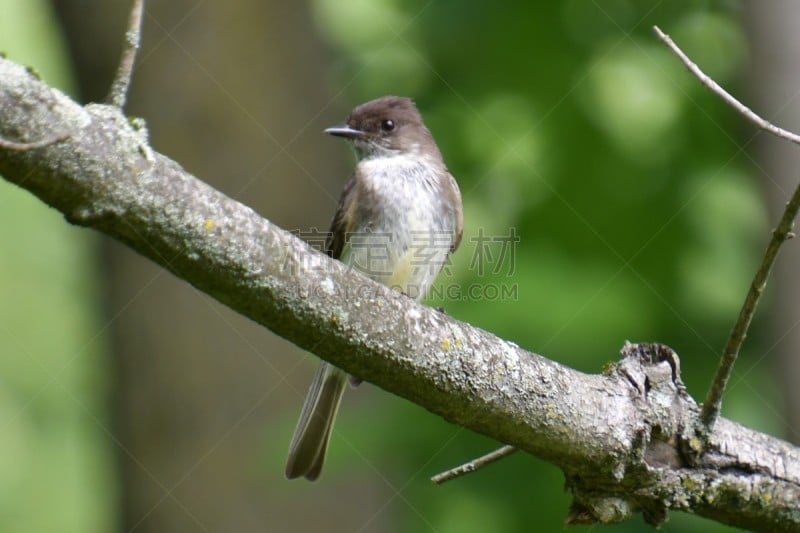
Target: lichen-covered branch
(619, 437)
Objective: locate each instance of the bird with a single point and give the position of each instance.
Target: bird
(398, 219)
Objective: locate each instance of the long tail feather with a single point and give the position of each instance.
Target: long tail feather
(310, 441)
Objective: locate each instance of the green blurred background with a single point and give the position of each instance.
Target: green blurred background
(131, 402)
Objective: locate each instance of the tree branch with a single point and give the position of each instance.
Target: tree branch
(714, 87)
(713, 401)
(475, 464)
(619, 437)
(122, 81)
(25, 146)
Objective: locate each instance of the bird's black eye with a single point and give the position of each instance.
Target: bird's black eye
(387, 125)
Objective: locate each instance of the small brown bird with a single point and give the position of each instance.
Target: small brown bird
(398, 218)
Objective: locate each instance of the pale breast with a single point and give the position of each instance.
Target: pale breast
(404, 228)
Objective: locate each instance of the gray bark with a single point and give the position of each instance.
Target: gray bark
(623, 438)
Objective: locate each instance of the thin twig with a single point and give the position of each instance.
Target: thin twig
(473, 465)
(24, 147)
(713, 401)
(122, 81)
(745, 111)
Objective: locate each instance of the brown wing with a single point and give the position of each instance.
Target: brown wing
(456, 199)
(342, 221)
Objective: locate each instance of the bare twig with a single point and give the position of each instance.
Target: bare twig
(473, 465)
(122, 81)
(24, 147)
(714, 87)
(713, 401)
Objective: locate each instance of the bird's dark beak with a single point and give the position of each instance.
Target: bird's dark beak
(345, 131)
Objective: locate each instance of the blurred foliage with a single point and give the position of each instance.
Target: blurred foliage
(622, 177)
(56, 469)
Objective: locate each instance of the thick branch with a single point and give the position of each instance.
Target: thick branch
(618, 436)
